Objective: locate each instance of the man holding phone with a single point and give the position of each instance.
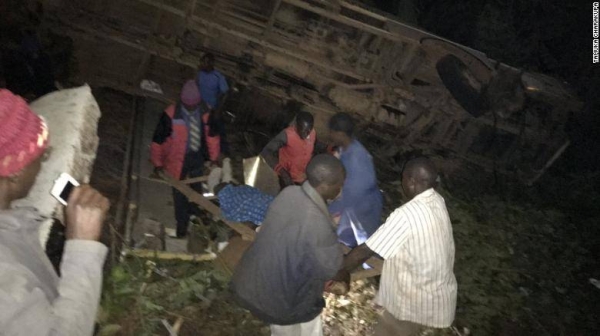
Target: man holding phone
(33, 299)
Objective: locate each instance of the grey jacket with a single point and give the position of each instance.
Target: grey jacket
(33, 299)
(281, 277)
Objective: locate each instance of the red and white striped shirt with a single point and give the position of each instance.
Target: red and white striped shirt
(417, 282)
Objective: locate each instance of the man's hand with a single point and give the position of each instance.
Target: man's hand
(356, 257)
(157, 173)
(336, 219)
(218, 162)
(285, 176)
(337, 287)
(342, 276)
(336, 152)
(340, 284)
(85, 213)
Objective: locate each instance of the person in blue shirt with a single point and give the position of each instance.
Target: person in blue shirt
(360, 205)
(243, 203)
(213, 85)
(213, 90)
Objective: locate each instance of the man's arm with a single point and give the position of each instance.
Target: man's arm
(79, 288)
(352, 260)
(359, 178)
(161, 133)
(221, 99)
(321, 148)
(223, 93)
(217, 128)
(324, 248)
(357, 257)
(271, 151)
(385, 242)
(271, 155)
(81, 267)
(73, 312)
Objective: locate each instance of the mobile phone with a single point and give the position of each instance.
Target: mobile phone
(63, 186)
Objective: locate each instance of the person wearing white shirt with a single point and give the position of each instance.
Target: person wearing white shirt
(418, 287)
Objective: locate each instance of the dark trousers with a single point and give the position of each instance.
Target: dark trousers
(388, 325)
(193, 166)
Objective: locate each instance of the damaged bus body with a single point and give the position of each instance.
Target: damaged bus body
(414, 89)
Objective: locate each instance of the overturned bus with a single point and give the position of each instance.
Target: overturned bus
(414, 89)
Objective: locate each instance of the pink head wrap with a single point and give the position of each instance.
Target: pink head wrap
(190, 94)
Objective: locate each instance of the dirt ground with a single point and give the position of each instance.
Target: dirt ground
(140, 294)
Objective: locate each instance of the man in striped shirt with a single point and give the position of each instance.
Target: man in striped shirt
(418, 287)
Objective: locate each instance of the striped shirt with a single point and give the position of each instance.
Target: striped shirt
(194, 130)
(417, 282)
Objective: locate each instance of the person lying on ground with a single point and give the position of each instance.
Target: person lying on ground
(418, 287)
(281, 277)
(33, 299)
(289, 152)
(359, 208)
(242, 203)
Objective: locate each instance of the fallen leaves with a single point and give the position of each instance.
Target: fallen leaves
(352, 314)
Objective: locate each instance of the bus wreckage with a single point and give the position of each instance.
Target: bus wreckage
(412, 89)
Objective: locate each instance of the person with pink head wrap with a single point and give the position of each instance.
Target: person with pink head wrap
(180, 145)
(33, 299)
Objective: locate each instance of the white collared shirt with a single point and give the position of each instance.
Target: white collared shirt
(417, 282)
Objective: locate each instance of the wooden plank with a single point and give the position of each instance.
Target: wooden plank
(195, 179)
(188, 181)
(246, 232)
(143, 253)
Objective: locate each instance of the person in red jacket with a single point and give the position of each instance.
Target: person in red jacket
(181, 143)
(291, 150)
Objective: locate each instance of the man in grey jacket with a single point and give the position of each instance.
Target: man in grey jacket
(34, 301)
(281, 277)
